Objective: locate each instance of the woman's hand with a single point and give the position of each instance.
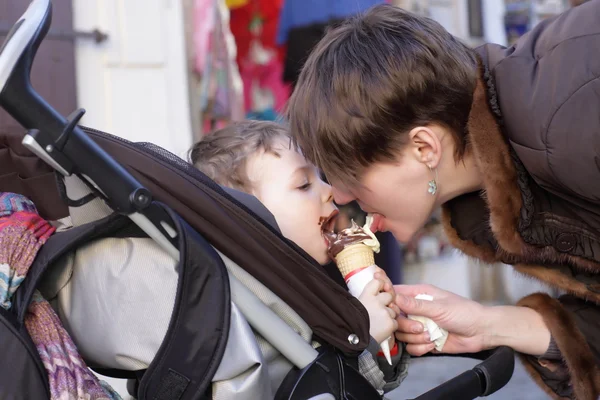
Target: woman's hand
(464, 319)
(471, 326)
(382, 318)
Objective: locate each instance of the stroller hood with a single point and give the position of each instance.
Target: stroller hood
(23, 172)
(331, 312)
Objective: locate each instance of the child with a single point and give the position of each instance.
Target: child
(258, 158)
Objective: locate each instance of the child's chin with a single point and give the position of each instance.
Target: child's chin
(324, 260)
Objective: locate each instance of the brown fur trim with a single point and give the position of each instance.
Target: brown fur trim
(585, 374)
(549, 254)
(534, 374)
(502, 195)
(559, 280)
(492, 156)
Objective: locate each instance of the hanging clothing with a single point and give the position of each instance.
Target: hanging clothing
(232, 4)
(257, 20)
(254, 27)
(22, 234)
(303, 23)
(204, 22)
(296, 13)
(264, 75)
(301, 40)
(220, 90)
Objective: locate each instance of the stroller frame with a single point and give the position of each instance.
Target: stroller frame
(74, 150)
(69, 150)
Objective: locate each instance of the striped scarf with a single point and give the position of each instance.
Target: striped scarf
(22, 234)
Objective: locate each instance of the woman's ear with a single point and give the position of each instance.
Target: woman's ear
(426, 145)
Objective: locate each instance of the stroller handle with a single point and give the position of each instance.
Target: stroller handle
(57, 140)
(484, 379)
(63, 145)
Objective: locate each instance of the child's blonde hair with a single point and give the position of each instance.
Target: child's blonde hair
(223, 154)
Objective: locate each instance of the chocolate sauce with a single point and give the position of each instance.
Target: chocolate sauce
(339, 241)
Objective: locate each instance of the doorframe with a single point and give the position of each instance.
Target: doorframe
(193, 78)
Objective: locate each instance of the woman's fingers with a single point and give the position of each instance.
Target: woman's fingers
(419, 349)
(412, 306)
(413, 338)
(409, 326)
(414, 290)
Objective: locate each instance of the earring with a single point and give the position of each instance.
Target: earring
(432, 190)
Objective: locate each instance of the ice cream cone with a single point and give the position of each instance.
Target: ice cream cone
(357, 257)
(354, 257)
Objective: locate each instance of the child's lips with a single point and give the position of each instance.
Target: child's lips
(328, 223)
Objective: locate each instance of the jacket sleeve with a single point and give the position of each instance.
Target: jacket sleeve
(570, 369)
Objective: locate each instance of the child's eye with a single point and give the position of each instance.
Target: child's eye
(306, 186)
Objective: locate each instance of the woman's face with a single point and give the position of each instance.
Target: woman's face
(398, 192)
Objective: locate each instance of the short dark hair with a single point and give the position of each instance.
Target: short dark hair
(371, 80)
(223, 154)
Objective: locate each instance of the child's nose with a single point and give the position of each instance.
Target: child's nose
(327, 193)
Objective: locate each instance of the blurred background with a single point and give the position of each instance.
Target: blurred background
(170, 71)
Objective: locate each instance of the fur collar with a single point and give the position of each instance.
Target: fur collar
(504, 196)
(488, 229)
(576, 354)
(501, 191)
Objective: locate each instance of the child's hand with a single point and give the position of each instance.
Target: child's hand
(388, 287)
(382, 318)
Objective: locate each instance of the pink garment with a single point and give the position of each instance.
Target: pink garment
(22, 233)
(214, 59)
(204, 23)
(266, 76)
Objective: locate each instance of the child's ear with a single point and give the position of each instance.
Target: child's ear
(425, 145)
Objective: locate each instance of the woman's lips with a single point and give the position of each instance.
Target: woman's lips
(377, 225)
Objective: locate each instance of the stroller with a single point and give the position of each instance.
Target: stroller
(231, 270)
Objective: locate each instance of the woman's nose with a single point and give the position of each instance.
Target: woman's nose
(341, 197)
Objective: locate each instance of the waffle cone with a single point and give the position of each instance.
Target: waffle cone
(354, 257)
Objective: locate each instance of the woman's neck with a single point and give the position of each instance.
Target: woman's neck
(456, 179)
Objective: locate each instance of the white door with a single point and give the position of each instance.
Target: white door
(134, 84)
(452, 15)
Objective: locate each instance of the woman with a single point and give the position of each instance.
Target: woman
(403, 118)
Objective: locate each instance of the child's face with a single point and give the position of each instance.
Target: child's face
(294, 193)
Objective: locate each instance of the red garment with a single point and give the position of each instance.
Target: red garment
(269, 75)
(242, 17)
